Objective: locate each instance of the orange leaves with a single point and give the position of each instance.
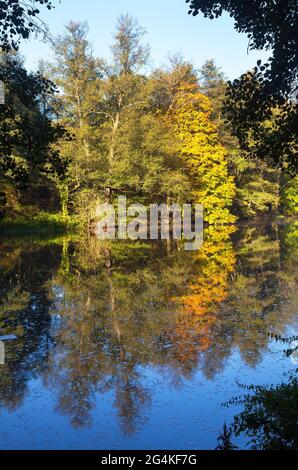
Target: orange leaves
(199, 307)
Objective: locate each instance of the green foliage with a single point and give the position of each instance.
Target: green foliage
(289, 195)
(122, 144)
(26, 131)
(224, 440)
(269, 25)
(9, 203)
(266, 127)
(20, 19)
(28, 156)
(112, 129)
(257, 189)
(43, 224)
(78, 75)
(252, 99)
(257, 185)
(270, 415)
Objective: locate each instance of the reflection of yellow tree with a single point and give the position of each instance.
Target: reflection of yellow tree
(123, 307)
(216, 261)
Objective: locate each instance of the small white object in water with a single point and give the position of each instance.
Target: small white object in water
(3, 340)
(2, 353)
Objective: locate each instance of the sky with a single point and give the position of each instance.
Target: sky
(169, 30)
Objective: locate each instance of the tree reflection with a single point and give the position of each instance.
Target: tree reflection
(91, 316)
(193, 335)
(24, 312)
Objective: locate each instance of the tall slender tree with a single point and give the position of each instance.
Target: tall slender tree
(78, 76)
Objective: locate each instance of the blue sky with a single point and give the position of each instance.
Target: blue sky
(170, 29)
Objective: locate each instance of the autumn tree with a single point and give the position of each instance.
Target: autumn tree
(257, 184)
(200, 303)
(199, 145)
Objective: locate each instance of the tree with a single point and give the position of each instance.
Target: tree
(77, 74)
(270, 26)
(265, 125)
(149, 164)
(257, 185)
(199, 145)
(269, 419)
(130, 55)
(252, 99)
(100, 103)
(123, 90)
(27, 134)
(19, 19)
(213, 84)
(289, 195)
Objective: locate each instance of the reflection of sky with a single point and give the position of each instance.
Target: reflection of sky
(161, 406)
(184, 416)
(58, 292)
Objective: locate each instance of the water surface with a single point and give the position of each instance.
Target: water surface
(138, 345)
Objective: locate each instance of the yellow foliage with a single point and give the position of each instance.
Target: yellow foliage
(198, 143)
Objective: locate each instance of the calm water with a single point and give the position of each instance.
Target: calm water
(138, 345)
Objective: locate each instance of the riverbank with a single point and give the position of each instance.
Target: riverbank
(44, 224)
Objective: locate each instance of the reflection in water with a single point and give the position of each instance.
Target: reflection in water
(98, 319)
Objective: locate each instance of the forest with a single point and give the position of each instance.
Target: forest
(84, 129)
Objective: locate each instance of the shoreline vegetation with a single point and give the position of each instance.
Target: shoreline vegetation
(46, 225)
(41, 225)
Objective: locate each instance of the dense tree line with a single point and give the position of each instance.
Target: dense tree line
(83, 130)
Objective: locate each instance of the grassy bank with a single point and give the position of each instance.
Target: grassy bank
(44, 224)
